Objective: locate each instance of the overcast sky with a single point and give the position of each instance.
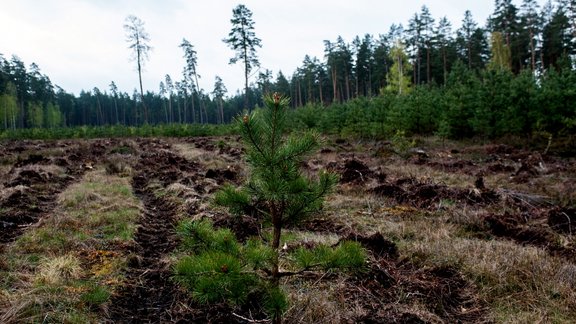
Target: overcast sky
(81, 44)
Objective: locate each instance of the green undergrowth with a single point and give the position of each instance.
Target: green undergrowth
(85, 132)
(215, 267)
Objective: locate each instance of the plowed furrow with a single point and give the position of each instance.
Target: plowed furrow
(148, 295)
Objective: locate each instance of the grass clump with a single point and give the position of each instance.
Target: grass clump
(96, 295)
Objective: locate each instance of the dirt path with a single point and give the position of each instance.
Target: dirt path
(149, 294)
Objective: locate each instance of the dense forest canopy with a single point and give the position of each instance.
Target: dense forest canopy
(514, 76)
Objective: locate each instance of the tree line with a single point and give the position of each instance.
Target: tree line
(523, 52)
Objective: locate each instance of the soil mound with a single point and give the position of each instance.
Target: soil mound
(377, 244)
(243, 227)
(428, 195)
(222, 175)
(352, 171)
(443, 293)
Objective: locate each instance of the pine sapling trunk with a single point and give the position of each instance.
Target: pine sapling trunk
(277, 224)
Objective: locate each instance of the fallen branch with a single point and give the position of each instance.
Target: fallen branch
(528, 199)
(249, 320)
(569, 223)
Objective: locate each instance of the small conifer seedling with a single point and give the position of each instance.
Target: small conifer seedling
(220, 268)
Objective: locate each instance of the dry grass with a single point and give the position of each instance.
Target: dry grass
(189, 151)
(188, 201)
(58, 270)
(4, 171)
(185, 199)
(46, 171)
(208, 159)
(67, 264)
(309, 237)
(520, 284)
(120, 164)
(316, 302)
(401, 169)
(559, 187)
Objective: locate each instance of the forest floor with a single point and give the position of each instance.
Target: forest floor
(455, 232)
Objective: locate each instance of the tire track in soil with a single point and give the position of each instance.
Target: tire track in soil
(149, 296)
(30, 194)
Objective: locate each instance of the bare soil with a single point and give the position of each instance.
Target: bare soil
(38, 171)
(534, 190)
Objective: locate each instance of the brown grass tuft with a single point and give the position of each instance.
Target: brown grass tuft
(314, 302)
(59, 270)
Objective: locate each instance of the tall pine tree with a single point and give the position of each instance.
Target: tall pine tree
(242, 39)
